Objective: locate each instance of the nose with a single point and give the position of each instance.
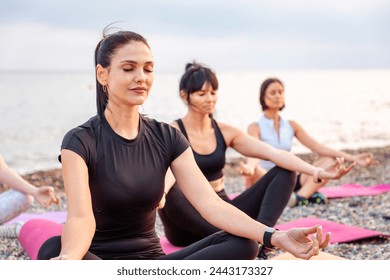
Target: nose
(140, 76)
(210, 97)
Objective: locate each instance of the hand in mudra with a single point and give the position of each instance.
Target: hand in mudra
(302, 243)
(336, 169)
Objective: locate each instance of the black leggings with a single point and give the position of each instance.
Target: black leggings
(218, 246)
(264, 201)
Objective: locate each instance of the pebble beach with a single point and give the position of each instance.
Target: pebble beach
(370, 212)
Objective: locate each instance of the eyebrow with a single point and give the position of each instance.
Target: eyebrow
(135, 62)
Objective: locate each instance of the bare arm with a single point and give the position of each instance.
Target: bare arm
(44, 195)
(227, 217)
(219, 213)
(362, 159)
(251, 163)
(251, 147)
(80, 226)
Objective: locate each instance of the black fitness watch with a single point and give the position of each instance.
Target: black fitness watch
(267, 237)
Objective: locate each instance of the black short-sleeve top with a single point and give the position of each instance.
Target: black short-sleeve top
(126, 180)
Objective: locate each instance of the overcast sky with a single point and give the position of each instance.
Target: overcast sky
(228, 35)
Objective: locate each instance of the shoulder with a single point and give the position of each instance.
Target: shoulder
(169, 139)
(85, 130)
(162, 128)
(151, 122)
(228, 131)
(295, 125)
(82, 139)
(253, 126)
(174, 124)
(254, 129)
(224, 126)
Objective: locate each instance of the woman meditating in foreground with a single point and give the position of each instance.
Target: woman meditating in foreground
(209, 139)
(114, 167)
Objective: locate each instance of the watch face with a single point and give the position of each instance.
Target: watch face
(269, 229)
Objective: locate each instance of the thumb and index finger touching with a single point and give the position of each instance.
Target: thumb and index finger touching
(318, 234)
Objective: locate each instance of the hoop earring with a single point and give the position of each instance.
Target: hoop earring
(105, 88)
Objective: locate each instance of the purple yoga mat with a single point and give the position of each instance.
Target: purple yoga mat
(340, 232)
(349, 190)
(54, 216)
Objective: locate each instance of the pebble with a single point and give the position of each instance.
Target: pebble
(370, 212)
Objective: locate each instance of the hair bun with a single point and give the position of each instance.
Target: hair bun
(189, 65)
(192, 65)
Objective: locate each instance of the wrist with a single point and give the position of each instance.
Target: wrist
(316, 174)
(267, 237)
(31, 190)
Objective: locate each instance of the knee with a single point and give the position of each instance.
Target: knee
(50, 248)
(286, 174)
(249, 249)
(24, 200)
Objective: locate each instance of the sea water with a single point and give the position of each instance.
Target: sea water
(339, 108)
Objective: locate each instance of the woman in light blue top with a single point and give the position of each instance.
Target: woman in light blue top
(278, 132)
(281, 140)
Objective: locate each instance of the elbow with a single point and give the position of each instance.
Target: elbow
(92, 224)
(211, 212)
(86, 221)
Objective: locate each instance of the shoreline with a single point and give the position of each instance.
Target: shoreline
(53, 176)
(371, 212)
(231, 157)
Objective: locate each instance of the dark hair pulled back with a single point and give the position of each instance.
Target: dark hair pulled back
(105, 51)
(195, 76)
(263, 88)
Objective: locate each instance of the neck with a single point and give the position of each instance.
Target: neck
(271, 114)
(274, 115)
(124, 121)
(197, 122)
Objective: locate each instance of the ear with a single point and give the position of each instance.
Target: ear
(101, 74)
(183, 96)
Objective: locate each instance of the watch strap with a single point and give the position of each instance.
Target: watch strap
(267, 237)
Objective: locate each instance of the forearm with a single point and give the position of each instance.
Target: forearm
(291, 162)
(253, 148)
(230, 219)
(76, 238)
(329, 152)
(15, 181)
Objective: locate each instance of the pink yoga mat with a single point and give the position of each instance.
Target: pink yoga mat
(167, 246)
(349, 190)
(35, 232)
(54, 216)
(340, 232)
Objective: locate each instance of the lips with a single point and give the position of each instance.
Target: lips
(139, 89)
(208, 107)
